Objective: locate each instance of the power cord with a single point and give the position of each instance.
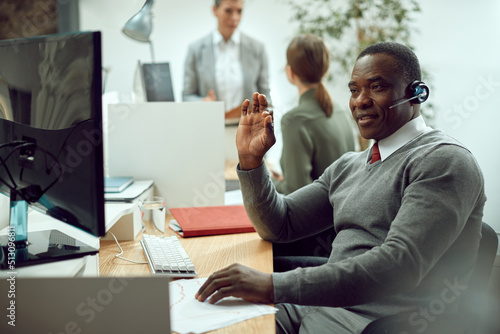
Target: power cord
(121, 252)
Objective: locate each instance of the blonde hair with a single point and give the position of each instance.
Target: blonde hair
(309, 58)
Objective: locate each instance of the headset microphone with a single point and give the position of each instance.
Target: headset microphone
(404, 101)
(418, 90)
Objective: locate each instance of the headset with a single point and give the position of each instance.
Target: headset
(418, 91)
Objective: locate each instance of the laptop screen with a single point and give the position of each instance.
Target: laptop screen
(157, 82)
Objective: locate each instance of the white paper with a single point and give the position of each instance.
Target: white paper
(188, 315)
(130, 193)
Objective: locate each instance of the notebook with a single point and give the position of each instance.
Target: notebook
(210, 220)
(131, 193)
(116, 184)
(85, 305)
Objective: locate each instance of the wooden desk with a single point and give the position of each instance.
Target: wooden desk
(208, 254)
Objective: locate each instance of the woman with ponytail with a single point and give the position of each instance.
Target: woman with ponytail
(313, 134)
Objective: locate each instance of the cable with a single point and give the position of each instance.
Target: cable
(56, 164)
(121, 252)
(14, 143)
(18, 145)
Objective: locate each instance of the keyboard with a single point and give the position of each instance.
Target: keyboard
(166, 256)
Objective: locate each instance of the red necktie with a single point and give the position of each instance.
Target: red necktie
(375, 154)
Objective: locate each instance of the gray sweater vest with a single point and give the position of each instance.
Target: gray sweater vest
(408, 228)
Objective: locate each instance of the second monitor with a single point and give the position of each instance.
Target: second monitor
(153, 82)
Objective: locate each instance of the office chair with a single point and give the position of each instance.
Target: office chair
(474, 307)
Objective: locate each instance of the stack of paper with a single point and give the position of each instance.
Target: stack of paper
(116, 184)
(188, 315)
(129, 194)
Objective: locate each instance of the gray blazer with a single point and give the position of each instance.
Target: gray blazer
(199, 70)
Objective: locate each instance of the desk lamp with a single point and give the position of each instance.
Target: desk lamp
(140, 25)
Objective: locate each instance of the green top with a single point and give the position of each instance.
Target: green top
(311, 142)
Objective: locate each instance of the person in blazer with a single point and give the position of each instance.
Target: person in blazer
(226, 65)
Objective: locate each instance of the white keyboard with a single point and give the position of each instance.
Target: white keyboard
(166, 256)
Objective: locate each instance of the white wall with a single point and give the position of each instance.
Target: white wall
(458, 44)
(176, 25)
(457, 41)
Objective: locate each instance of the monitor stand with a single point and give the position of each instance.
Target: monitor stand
(20, 248)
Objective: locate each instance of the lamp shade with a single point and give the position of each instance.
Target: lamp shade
(140, 25)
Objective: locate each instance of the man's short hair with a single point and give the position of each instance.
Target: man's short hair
(407, 61)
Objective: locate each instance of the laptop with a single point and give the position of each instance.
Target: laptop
(85, 305)
(153, 82)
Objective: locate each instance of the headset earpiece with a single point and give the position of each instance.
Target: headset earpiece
(418, 91)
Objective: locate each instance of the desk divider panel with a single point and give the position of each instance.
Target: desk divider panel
(178, 145)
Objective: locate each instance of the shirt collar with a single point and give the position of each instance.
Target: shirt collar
(402, 136)
(235, 37)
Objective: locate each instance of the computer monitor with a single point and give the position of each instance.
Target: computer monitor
(153, 82)
(51, 155)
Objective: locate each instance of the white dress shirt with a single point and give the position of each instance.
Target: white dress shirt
(401, 137)
(228, 70)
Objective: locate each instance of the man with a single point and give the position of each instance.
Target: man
(407, 225)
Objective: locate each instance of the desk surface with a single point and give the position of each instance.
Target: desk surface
(208, 254)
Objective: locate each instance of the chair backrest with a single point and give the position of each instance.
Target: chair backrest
(475, 306)
(486, 257)
(478, 302)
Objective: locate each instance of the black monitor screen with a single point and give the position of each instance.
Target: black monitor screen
(51, 126)
(157, 82)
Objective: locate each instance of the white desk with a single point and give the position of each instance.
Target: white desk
(87, 265)
(83, 266)
(123, 218)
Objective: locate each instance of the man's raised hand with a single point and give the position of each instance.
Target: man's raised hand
(255, 134)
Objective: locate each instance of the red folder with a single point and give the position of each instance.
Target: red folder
(211, 220)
